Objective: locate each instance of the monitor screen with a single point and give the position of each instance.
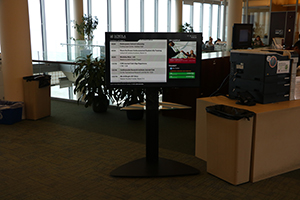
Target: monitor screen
(141, 59)
(242, 36)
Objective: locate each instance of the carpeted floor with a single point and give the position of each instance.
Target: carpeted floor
(54, 159)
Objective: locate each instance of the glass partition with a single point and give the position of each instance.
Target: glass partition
(258, 14)
(284, 22)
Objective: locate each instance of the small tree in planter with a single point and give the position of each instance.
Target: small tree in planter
(90, 82)
(86, 27)
(186, 28)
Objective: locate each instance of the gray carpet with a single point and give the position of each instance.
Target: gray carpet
(54, 159)
(174, 133)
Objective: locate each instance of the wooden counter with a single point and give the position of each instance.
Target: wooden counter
(275, 139)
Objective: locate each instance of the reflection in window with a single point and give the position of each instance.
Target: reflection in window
(149, 16)
(134, 15)
(117, 16)
(35, 29)
(260, 20)
(56, 29)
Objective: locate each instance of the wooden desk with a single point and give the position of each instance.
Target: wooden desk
(276, 135)
(162, 106)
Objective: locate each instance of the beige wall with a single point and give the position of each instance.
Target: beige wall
(16, 47)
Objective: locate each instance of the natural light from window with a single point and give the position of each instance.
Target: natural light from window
(117, 16)
(134, 15)
(56, 29)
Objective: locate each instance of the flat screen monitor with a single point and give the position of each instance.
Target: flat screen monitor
(242, 36)
(141, 59)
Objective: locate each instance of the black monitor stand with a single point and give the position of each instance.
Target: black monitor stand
(152, 165)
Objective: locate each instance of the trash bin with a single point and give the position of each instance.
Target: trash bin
(37, 96)
(229, 139)
(10, 112)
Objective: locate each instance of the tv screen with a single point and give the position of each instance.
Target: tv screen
(242, 36)
(141, 59)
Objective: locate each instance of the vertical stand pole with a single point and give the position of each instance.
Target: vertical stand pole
(152, 165)
(152, 121)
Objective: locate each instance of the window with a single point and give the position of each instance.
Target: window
(134, 15)
(221, 28)
(186, 14)
(149, 16)
(99, 10)
(197, 17)
(204, 17)
(173, 16)
(35, 29)
(215, 20)
(163, 15)
(117, 16)
(56, 29)
(206, 22)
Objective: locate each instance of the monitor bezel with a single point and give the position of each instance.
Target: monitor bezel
(236, 29)
(156, 35)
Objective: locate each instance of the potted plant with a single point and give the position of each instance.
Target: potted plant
(90, 82)
(85, 29)
(186, 28)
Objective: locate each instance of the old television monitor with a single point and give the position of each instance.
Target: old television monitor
(148, 59)
(242, 36)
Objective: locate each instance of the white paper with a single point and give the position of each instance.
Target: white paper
(283, 66)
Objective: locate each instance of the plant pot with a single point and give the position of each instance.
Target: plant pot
(100, 104)
(135, 114)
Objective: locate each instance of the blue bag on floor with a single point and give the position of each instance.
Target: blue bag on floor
(10, 112)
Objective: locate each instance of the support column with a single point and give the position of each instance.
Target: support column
(1, 74)
(15, 47)
(178, 14)
(234, 16)
(78, 13)
(0, 35)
